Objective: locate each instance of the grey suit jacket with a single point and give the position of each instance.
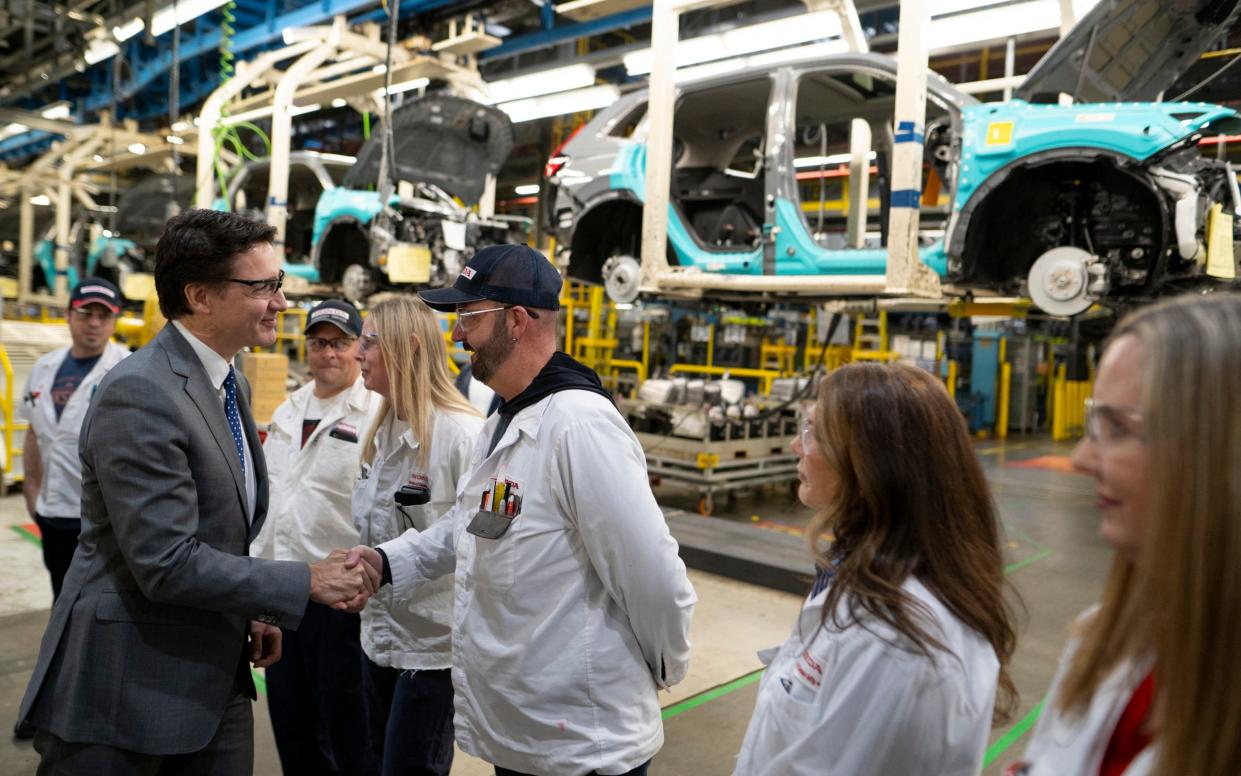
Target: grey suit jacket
(145, 642)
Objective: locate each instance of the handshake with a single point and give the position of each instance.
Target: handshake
(345, 580)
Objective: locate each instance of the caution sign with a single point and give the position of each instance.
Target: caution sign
(999, 133)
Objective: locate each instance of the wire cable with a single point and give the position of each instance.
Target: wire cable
(1208, 79)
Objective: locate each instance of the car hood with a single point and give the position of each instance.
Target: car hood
(1129, 50)
(143, 210)
(450, 142)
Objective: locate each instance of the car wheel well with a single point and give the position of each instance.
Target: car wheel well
(1109, 209)
(344, 242)
(609, 229)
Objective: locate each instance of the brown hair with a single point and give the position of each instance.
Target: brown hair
(1179, 601)
(912, 501)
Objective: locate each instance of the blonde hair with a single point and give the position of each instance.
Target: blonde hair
(1179, 601)
(416, 359)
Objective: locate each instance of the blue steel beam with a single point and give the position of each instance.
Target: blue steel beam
(565, 32)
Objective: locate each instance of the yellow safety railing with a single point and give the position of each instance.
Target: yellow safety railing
(295, 335)
(1068, 416)
(778, 356)
(1004, 393)
(9, 413)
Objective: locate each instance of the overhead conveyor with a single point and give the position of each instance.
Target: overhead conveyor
(328, 63)
(72, 169)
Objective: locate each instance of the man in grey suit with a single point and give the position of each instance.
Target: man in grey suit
(143, 667)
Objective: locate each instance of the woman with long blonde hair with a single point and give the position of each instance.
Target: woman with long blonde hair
(1145, 685)
(900, 651)
(412, 456)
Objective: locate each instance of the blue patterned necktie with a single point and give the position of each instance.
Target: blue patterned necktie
(234, 417)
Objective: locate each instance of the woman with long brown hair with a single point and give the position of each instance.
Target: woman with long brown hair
(1145, 684)
(895, 661)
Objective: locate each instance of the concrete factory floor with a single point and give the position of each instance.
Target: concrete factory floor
(1056, 562)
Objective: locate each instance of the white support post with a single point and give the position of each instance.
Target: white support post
(906, 273)
(282, 134)
(859, 182)
(487, 202)
(850, 24)
(665, 29)
(247, 73)
(64, 211)
(1010, 65)
(25, 255)
(1068, 19)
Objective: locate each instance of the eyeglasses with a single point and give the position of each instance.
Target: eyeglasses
(469, 320)
(87, 314)
(1109, 425)
(262, 289)
(807, 436)
(368, 340)
(339, 344)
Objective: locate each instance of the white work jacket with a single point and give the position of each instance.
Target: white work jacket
(404, 632)
(61, 492)
(1066, 744)
(849, 702)
(566, 625)
(311, 486)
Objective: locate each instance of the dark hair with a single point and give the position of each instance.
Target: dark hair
(198, 246)
(912, 501)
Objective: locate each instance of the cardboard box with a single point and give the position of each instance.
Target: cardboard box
(266, 373)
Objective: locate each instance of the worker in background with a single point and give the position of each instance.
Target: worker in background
(894, 663)
(413, 456)
(314, 693)
(145, 666)
(572, 607)
(1143, 687)
(54, 403)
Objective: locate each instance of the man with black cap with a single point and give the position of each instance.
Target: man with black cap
(314, 693)
(572, 607)
(54, 403)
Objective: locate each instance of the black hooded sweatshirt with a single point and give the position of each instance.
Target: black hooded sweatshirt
(560, 373)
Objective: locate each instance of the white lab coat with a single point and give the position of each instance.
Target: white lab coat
(61, 491)
(402, 631)
(309, 513)
(567, 624)
(849, 703)
(1074, 743)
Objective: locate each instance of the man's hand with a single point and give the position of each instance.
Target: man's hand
(369, 558)
(264, 644)
(342, 588)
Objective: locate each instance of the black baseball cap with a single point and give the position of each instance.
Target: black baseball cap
(510, 274)
(337, 312)
(96, 290)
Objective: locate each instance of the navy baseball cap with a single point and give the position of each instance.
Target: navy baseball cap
(96, 290)
(337, 312)
(510, 274)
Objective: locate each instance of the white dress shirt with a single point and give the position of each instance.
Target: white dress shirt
(217, 372)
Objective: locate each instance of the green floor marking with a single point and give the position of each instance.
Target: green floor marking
(1011, 736)
(1010, 568)
(710, 695)
(260, 682)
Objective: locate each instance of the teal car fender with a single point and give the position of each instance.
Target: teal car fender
(997, 135)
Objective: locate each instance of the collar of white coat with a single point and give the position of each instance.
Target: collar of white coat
(214, 364)
(289, 414)
(527, 421)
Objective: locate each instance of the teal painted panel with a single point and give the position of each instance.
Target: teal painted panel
(995, 135)
(334, 203)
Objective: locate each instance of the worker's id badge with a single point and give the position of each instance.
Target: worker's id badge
(500, 504)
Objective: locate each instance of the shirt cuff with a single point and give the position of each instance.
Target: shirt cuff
(387, 573)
